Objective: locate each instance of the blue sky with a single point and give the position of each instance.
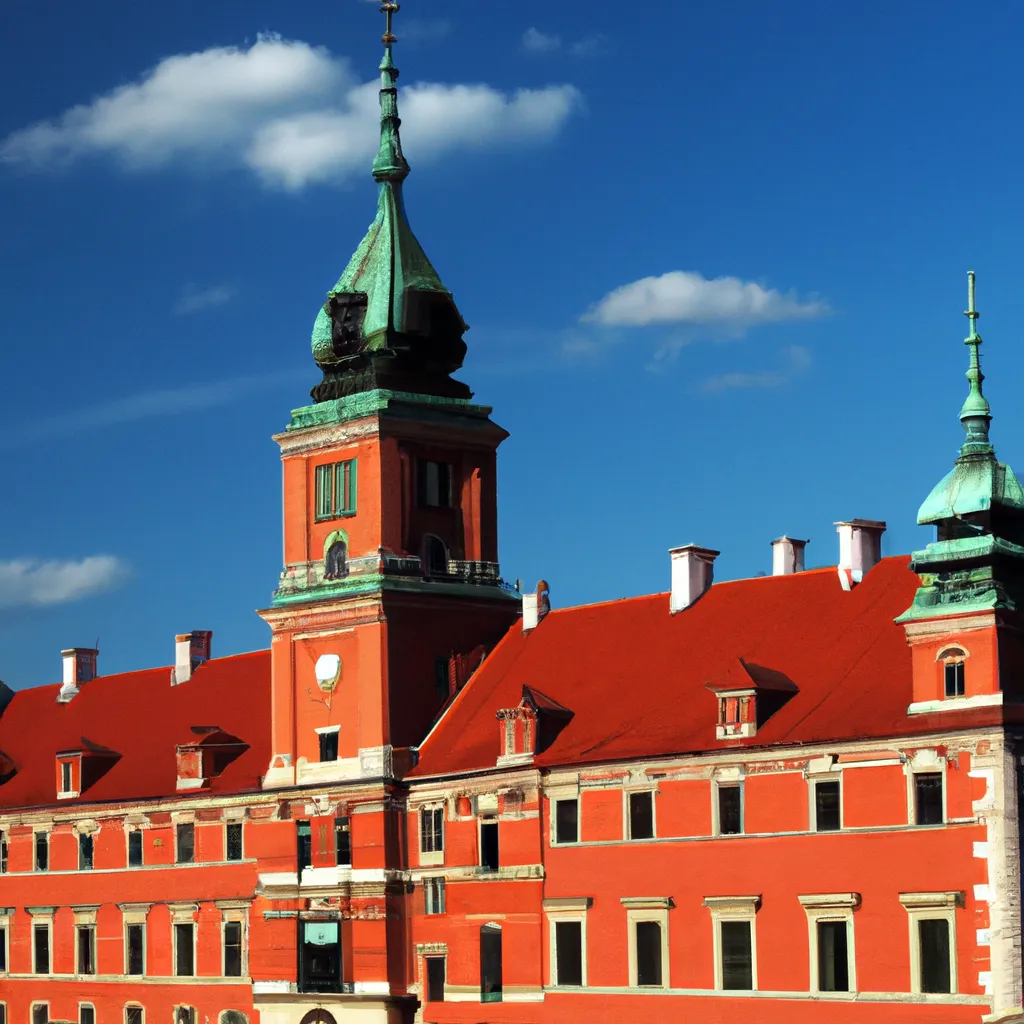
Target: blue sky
(713, 255)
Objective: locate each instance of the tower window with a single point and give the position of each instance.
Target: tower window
(329, 746)
(435, 556)
(953, 671)
(435, 484)
(336, 490)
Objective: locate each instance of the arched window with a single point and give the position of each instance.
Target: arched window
(336, 561)
(435, 556)
(490, 963)
(953, 659)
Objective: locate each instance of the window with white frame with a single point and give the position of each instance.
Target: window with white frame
(566, 815)
(41, 945)
(830, 941)
(183, 932)
(647, 938)
(233, 919)
(3, 1013)
(728, 808)
(85, 948)
(86, 1013)
(954, 663)
(134, 942)
(435, 968)
(733, 920)
(928, 798)
(4, 922)
(932, 940)
(184, 1015)
(40, 1013)
(134, 1014)
(826, 803)
(640, 814)
(567, 940)
(431, 835)
(434, 895)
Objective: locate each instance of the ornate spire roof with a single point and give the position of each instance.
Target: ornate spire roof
(389, 321)
(977, 481)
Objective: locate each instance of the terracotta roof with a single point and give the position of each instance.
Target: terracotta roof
(637, 678)
(142, 718)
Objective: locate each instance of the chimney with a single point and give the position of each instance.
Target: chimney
(536, 606)
(692, 573)
(79, 668)
(190, 651)
(860, 547)
(788, 556)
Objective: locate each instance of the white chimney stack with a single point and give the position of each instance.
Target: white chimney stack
(692, 573)
(190, 651)
(860, 548)
(788, 556)
(79, 668)
(536, 606)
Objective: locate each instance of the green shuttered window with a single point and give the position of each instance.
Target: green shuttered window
(336, 490)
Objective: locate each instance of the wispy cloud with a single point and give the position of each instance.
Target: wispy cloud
(683, 297)
(536, 41)
(796, 360)
(34, 582)
(426, 30)
(290, 113)
(151, 404)
(195, 300)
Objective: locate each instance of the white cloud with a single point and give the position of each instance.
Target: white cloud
(683, 297)
(589, 46)
(29, 581)
(195, 300)
(291, 113)
(535, 41)
(797, 361)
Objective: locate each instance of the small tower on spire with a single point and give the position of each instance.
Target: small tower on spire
(976, 415)
(390, 163)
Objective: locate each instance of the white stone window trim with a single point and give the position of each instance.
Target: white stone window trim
(727, 778)
(565, 909)
(430, 858)
(832, 906)
(924, 762)
(41, 917)
(733, 908)
(239, 917)
(931, 906)
(647, 908)
(636, 788)
(183, 913)
(553, 802)
(137, 920)
(813, 781)
(429, 951)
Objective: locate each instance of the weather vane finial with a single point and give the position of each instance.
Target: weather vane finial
(389, 9)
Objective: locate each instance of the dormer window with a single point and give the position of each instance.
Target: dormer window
(953, 661)
(69, 774)
(747, 697)
(736, 714)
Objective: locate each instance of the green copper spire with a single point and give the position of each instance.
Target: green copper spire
(389, 322)
(976, 414)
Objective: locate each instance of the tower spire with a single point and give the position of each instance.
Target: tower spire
(976, 414)
(390, 163)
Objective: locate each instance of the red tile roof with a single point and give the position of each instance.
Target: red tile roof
(637, 677)
(141, 717)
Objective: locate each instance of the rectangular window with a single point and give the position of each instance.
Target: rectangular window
(648, 954)
(184, 963)
(342, 842)
(569, 953)
(336, 490)
(933, 942)
(329, 746)
(433, 895)
(641, 815)
(185, 1015)
(65, 776)
(432, 830)
(441, 680)
(86, 1014)
(84, 852)
(42, 851)
(232, 949)
(41, 949)
(40, 1013)
(833, 957)
(304, 836)
(86, 949)
(186, 842)
(489, 843)
(826, 806)
(435, 979)
(490, 964)
(233, 840)
(133, 1015)
(435, 484)
(737, 956)
(135, 940)
(928, 798)
(135, 849)
(954, 678)
(3, 854)
(319, 956)
(567, 821)
(730, 810)
(3, 952)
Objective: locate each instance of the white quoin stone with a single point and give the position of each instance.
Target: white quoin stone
(788, 556)
(79, 668)
(860, 548)
(190, 651)
(535, 606)
(692, 574)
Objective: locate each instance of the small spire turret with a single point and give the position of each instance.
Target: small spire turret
(390, 163)
(976, 414)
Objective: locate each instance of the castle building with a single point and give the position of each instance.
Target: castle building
(434, 798)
